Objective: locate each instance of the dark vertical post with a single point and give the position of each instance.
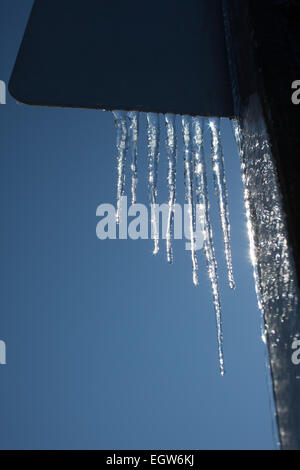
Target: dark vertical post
(263, 42)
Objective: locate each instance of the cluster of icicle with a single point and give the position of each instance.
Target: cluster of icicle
(196, 191)
(274, 272)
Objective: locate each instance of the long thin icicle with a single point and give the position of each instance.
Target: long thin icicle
(122, 146)
(203, 200)
(133, 118)
(217, 159)
(188, 182)
(153, 132)
(171, 148)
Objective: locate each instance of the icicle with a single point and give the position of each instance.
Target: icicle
(153, 159)
(217, 159)
(270, 254)
(203, 200)
(171, 148)
(188, 181)
(122, 146)
(133, 118)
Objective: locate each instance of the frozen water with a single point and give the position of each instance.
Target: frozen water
(209, 250)
(196, 188)
(188, 182)
(153, 160)
(133, 118)
(217, 160)
(171, 149)
(121, 124)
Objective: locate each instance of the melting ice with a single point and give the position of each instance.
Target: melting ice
(195, 182)
(120, 118)
(134, 132)
(217, 160)
(209, 250)
(189, 188)
(153, 160)
(171, 149)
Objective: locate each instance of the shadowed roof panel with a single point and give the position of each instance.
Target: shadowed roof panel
(160, 56)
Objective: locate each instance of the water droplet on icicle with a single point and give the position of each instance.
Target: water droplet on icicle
(120, 118)
(171, 149)
(153, 132)
(217, 159)
(209, 250)
(188, 182)
(133, 118)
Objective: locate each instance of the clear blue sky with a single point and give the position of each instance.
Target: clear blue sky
(107, 346)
